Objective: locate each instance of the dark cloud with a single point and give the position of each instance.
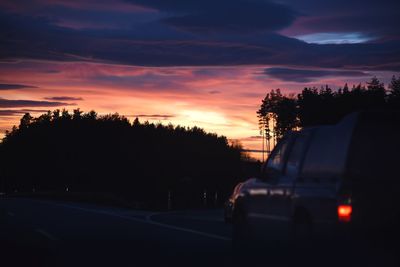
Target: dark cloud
(144, 82)
(214, 92)
(369, 17)
(8, 103)
(40, 37)
(64, 98)
(307, 75)
(13, 112)
(376, 26)
(209, 16)
(51, 71)
(235, 17)
(9, 86)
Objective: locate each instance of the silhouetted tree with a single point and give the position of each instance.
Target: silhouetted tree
(77, 114)
(394, 92)
(277, 112)
(315, 106)
(141, 161)
(25, 121)
(136, 122)
(65, 115)
(376, 93)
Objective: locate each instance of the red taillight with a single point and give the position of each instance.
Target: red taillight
(344, 213)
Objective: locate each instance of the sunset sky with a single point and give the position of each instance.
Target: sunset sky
(206, 63)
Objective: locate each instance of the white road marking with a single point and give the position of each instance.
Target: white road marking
(190, 230)
(46, 234)
(178, 214)
(148, 217)
(147, 220)
(203, 218)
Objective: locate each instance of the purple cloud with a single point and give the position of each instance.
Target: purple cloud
(206, 33)
(14, 112)
(9, 86)
(7, 103)
(307, 75)
(64, 98)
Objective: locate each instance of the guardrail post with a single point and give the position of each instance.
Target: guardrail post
(169, 200)
(205, 198)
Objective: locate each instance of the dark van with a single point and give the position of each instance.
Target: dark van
(327, 181)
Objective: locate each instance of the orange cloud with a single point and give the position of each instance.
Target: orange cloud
(182, 94)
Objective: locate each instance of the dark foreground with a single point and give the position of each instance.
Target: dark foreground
(45, 233)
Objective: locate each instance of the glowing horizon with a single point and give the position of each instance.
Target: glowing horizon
(205, 63)
(222, 100)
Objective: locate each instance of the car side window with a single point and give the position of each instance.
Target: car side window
(276, 160)
(295, 156)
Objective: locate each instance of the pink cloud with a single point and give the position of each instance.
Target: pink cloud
(106, 5)
(183, 93)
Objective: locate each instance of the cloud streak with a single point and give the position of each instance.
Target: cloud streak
(13, 112)
(10, 86)
(229, 16)
(308, 75)
(167, 43)
(64, 98)
(7, 103)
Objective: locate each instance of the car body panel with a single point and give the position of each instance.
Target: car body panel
(312, 171)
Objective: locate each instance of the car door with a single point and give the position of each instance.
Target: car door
(281, 189)
(266, 192)
(282, 192)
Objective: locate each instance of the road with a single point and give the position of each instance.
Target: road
(46, 233)
(71, 234)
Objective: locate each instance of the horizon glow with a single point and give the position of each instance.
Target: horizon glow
(193, 63)
(222, 100)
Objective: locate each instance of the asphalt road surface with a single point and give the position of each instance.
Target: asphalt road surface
(46, 233)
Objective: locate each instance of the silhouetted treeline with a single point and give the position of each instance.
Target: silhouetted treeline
(279, 113)
(84, 152)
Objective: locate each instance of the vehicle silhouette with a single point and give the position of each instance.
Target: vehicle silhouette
(336, 182)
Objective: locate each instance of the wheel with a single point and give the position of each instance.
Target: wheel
(301, 231)
(241, 236)
(228, 215)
